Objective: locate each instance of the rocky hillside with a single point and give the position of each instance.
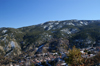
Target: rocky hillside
(51, 36)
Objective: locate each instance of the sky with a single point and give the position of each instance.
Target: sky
(21, 13)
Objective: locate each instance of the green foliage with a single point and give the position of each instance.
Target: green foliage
(89, 52)
(32, 64)
(85, 50)
(59, 54)
(43, 63)
(2, 43)
(74, 56)
(52, 63)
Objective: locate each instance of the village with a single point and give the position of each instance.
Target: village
(50, 59)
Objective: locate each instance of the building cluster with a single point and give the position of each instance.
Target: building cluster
(37, 59)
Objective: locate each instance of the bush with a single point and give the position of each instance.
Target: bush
(85, 50)
(74, 56)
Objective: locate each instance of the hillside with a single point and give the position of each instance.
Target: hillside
(51, 36)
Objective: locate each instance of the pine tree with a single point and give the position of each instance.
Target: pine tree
(74, 56)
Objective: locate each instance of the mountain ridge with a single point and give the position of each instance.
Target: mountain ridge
(81, 33)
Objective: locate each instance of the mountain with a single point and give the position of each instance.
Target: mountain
(51, 36)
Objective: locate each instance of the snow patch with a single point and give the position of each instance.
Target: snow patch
(12, 43)
(81, 22)
(70, 24)
(4, 38)
(4, 31)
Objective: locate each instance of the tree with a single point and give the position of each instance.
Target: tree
(32, 64)
(85, 50)
(43, 63)
(74, 57)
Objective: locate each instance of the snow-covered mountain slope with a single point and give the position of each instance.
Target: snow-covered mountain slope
(81, 33)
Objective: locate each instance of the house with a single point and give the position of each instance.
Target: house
(16, 65)
(61, 63)
(64, 64)
(82, 52)
(10, 64)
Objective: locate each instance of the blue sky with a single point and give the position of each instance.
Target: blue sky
(19, 13)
